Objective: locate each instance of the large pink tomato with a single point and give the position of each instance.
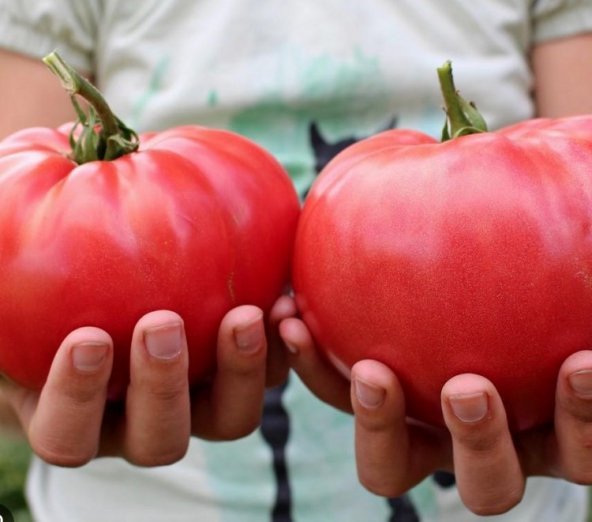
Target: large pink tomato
(472, 255)
(193, 220)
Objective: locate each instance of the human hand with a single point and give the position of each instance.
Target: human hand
(70, 421)
(394, 453)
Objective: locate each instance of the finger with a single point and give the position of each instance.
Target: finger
(277, 358)
(231, 408)
(391, 456)
(488, 473)
(158, 424)
(65, 426)
(317, 373)
(573, 417)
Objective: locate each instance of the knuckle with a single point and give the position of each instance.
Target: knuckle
(82, 398)
(157, 457)
(81, 392)
(584, 442)
(580, 476)
(168, 392)
(381, 419)
(164, 391)
(250, 366)
(477, 440)
(498, 506)
(372, 424)
(247, 371)
(381, 487)
(232, 431)
(57, 453)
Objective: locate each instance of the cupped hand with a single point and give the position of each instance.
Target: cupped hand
(70, 421)
(394, 453)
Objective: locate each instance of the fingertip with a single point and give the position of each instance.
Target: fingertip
(369, 395)
(466, 383)
(249, 336)
(296, 336)
(87, 334)
(577, 361)
(157, 318)
(83, 352)
(468, 399)
(242, 331)
(283, 308)
(89, 357)
(575, 377)
(376, 394)
(241, 315)
(573, 416)
(373, 371)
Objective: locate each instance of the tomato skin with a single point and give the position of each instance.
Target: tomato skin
(197, 221)
(472, 255)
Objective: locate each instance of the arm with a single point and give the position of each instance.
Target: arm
(30, 95)
(563, 76)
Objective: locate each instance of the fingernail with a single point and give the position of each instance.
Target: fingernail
(471, 407)
(163, 342)
(89, 357)
(368, 395)
(249, 337)
(292, 349)
(581, 383)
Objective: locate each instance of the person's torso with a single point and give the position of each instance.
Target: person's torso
(303, 79)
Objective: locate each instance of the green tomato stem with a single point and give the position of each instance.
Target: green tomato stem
(104, 136)
(462, 117)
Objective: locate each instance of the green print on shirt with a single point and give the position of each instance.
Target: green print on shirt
(154, 85)
(212, 98)
(344, 96)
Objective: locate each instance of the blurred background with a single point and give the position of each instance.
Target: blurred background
(14, 458)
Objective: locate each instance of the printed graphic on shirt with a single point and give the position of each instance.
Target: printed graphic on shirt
(325, 151)
(403, 510)
(344, 94)
(275, 429)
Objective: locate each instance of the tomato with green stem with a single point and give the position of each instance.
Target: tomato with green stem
(99, 226)
(469, 255)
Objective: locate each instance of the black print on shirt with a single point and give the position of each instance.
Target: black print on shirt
(275, 429)
(444, 479)
(324, 151)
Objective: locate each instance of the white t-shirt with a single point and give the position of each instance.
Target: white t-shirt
(303, 78)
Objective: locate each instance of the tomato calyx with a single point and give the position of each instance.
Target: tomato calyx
(462, 116)
(98, 134)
